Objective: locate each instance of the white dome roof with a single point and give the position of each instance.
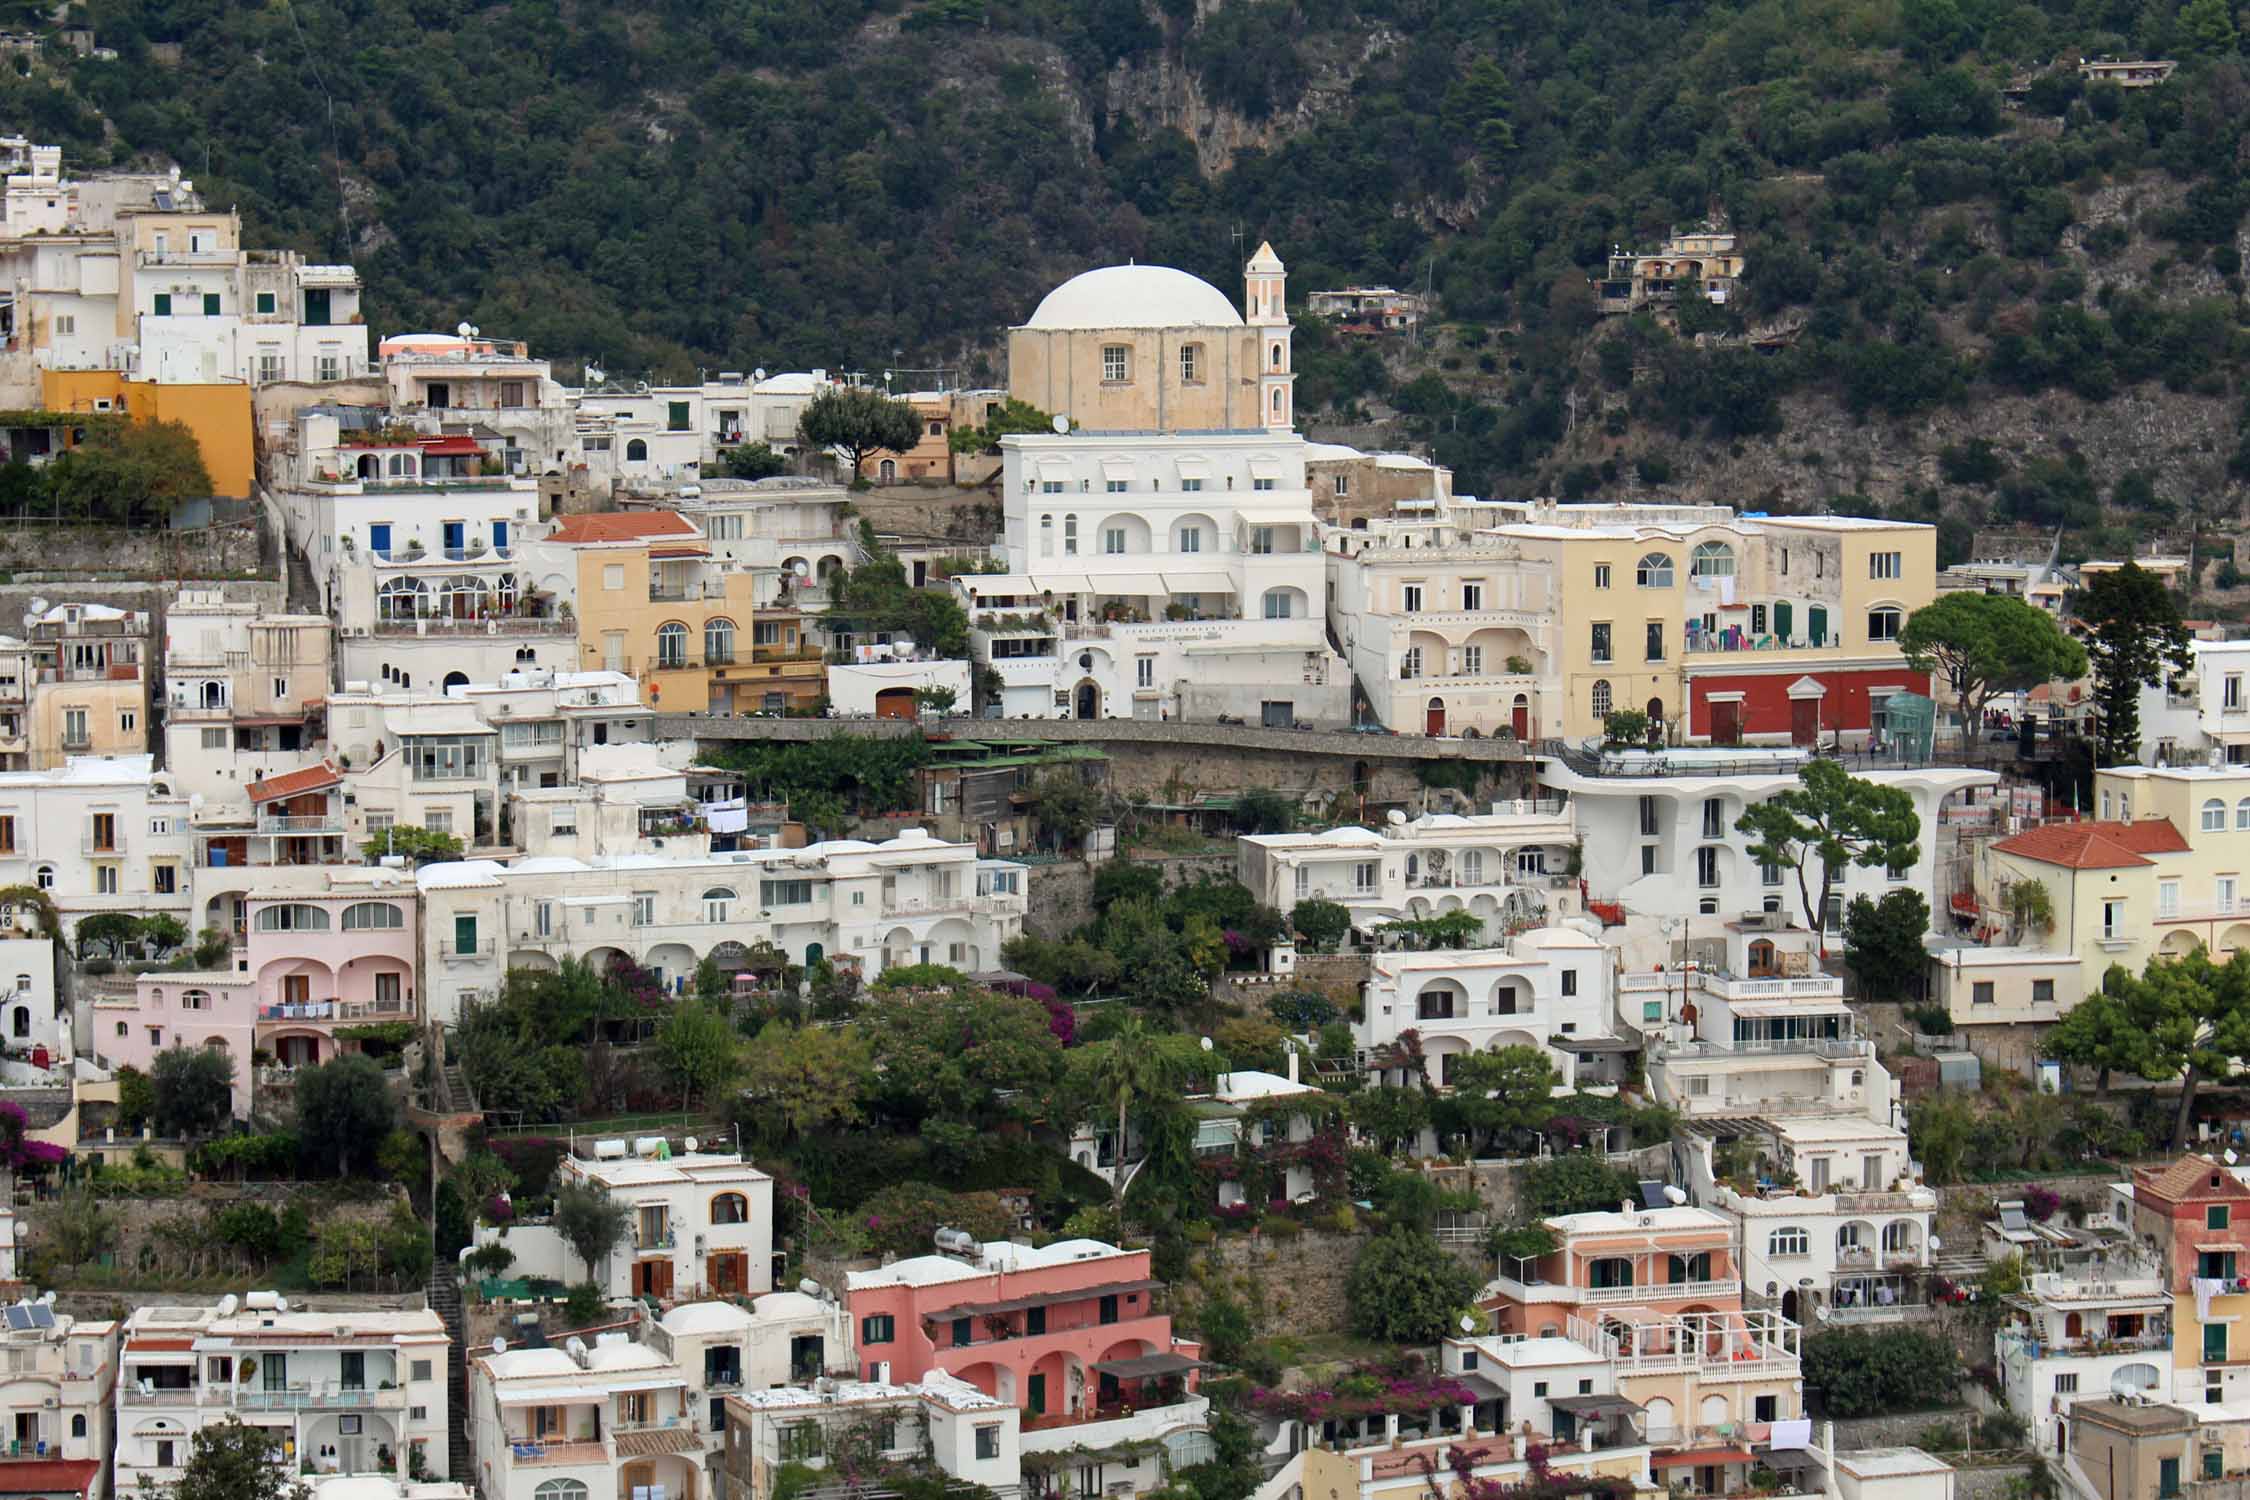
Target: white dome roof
(1135, 297)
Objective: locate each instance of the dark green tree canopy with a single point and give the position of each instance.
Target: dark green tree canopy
(1982, 645)
(2135, 639)
(857, 421)
(1828, 822)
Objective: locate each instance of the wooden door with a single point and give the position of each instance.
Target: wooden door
(1726, 723)
(1434, 719)
(1804, 721)
(1520, 719)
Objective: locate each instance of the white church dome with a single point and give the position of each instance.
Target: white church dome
(1135, 297)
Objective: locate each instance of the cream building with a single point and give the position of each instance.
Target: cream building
(55, 1391)
(244, 693)
(1193, 587)
(1726, 629)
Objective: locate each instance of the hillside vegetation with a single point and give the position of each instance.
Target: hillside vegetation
(1963, 288)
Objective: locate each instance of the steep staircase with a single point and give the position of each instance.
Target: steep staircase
(445, 1300)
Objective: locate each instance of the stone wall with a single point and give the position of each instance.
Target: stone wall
(1292, 1286)
(1500, 1183)
(920, 512)
(143, 1222)
(108, 1304)
(30, 552)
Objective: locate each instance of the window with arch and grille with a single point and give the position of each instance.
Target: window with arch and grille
(2242, 813)
(373, 916)
(292, 916)
(718, 642)
(560, 1489)
(1884, 624)
(2214, 815)
(715, 903)
(1711, 560)
(1789, 1239)
(671, 645)
(1604, 700)
(636, 452)
(1653, 571)
(730, 1208)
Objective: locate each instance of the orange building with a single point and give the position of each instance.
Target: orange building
(217, 413)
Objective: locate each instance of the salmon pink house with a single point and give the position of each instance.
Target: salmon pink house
(1068, 1333)
(304, 963)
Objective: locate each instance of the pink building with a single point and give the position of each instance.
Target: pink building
(342, 958)
(1067, 1332)
(304, 964)
(161, 1010)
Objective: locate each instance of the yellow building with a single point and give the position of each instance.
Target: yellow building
(1726, 629)
(217, 413)
(2200, 898)
(84, 678)
(652, 602)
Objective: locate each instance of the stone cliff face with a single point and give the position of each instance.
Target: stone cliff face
(1162, 92)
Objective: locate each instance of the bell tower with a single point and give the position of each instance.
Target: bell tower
(1264, 286)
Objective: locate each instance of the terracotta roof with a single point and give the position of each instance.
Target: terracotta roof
(656, 1441)
(624, 526)
(2096, 846)
(290, 783)
(48, 1476)
(2178, 1180)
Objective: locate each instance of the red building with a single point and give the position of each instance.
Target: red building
(1745, 701)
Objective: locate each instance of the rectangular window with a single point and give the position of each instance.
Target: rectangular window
(105, 880)
(1472, 660)
(75, 735)
(1343, 485)
(2067, 1384)
(2167, 898)
(210, 304)
(675, 416)
(1191, 486)
(1714, 817)
(1882, 564)
(1144, 671)
(2215, 1216)
(1980, 993)
(879, 1328)
(613, 576)
(1654, 650)
(1648, 817)
(1569, 982)
(1191, 539)
(1113, 362)
(1363, 877)
(1262, 484)
(644, 908)
(1601, 575)
(2214, 1343)
(163, 304)
(266, 303)
(164, 880)
(1107, 1312)
(1472, 596)
(1707, 868)
(438, 820)
(1601, 642)
(1188, 368)
(1113, 541)
(7, 834)
(988, 1440)
(2113, 920)
(785, 893)
(2215, 1265)
(1261, 541)
(1410, 598)
(2042, 992)
(1070, 536)
(66, 324)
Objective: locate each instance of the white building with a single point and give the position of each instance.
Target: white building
(1556, 1389)
(2083, 1332)
(1509, 866)
(344, 1390)
(55, 1392)
(1769, 1034)
(909, 899)
(966, 1435)
(783, 1338)
(624, 800)
(243, 691)
(612, 1420)
(547, 721)
(2204, 713)
(29, 1015)
(97, 835)
(880, 686)
(702, 1223)
(1659, 839)
(790, 533)
(1547, 988)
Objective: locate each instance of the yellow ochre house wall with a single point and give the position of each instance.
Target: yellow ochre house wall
(219, 416)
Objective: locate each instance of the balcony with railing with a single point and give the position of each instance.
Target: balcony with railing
(320, 1396)
(94, 846)
(337, 1010)
(498, 625)
(302, 824)
(1664, 1291)
(454, 951)
(778, 654)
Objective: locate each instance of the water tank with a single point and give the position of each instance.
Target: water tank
(647, 1145)
(262, 1301)
(609, 1150)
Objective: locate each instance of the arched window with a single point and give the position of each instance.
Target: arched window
(1711, 560)
(1274, 353)
(1602, 697)
(1277, 400)
(1883, 624)
(1898, 1237)
(671, 644)
(1278, 604)
(292, 917)
(560, 1489)
(77, 1424)
(730, 1208)
(718, 642)
(195, 999)
(715, 901)
(1654, 571)
(2242, 813)
(636, 452)
(46, 877)
(1790, 1239)
(373, 916)
(1847, 1238)
(2214, 815)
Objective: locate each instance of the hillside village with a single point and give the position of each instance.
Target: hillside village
(752, 940)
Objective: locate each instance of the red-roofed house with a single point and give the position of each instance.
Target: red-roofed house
(651, 601)
(2102, 881)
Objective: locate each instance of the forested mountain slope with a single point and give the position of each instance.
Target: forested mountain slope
(668, 184)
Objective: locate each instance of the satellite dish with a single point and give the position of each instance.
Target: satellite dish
(759, 373)
(1936, 1243)
(801, 568)
(1062, 424)
(281, 1304)
(1468, 1324)
(903, 642)
(227, 1305)
(690, 1143)
(1206, 1044)
(464, 330)
(499, 1346)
